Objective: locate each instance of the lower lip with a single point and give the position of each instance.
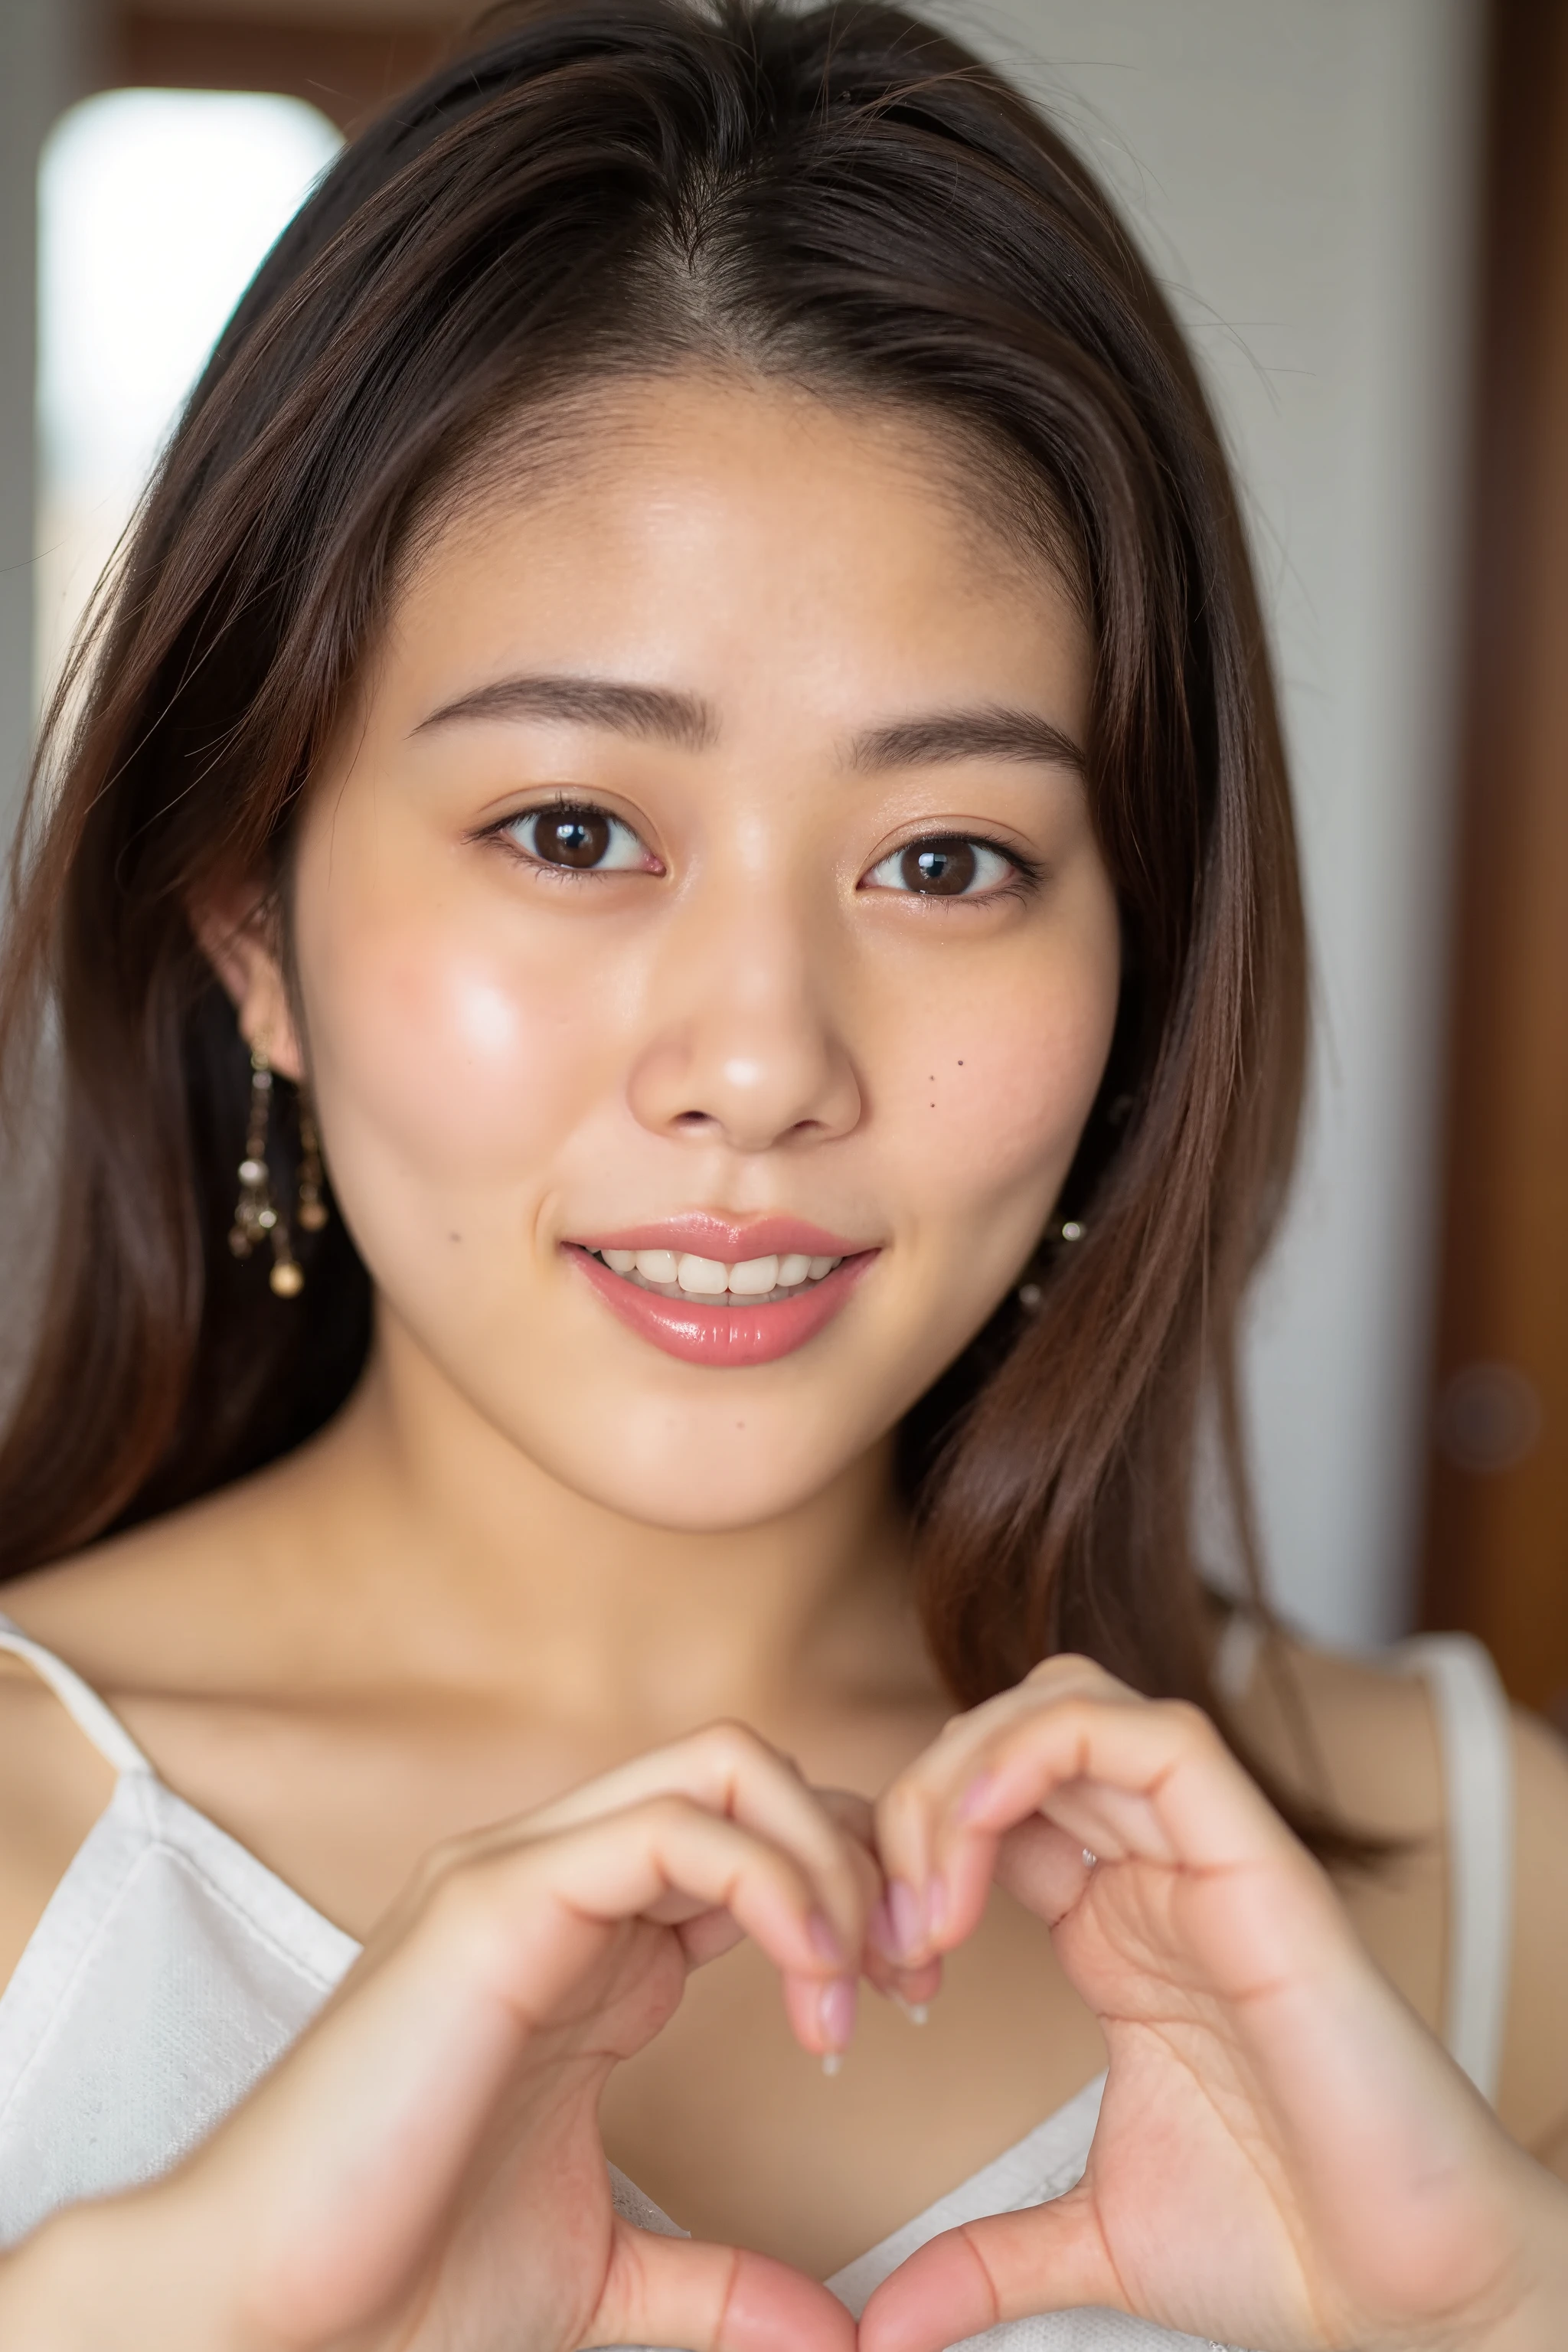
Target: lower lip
(726, 1336)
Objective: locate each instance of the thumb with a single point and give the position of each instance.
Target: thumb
(1048, 2258)
(702, 2298)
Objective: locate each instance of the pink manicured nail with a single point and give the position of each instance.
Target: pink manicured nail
(836, 2011)
(827, 1941)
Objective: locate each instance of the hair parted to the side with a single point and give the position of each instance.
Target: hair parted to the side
(844, 196)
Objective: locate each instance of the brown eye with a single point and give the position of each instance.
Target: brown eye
(580, 841)
(938, 869)
(946, 865)
(571, 837)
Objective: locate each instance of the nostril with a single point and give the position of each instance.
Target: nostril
(694, 1121)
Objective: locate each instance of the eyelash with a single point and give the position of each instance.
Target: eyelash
(1026, 874)
(508, 829)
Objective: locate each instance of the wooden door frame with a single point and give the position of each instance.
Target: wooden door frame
(1496, 1550)
(350, 68)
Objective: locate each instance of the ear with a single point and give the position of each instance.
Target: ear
(235, 929)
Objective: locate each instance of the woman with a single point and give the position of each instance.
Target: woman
(687, 721)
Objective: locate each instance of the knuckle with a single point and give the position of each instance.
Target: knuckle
(667, 1814)
(1060, 1662)
(1187, 1719)
(735, 1745)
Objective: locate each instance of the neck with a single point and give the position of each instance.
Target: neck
(485, 1571)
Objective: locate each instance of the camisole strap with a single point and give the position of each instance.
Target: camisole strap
(103, 1727)
(1476, 1741)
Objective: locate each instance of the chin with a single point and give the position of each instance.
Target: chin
(718, 1480)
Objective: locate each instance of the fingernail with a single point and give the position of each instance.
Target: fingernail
(836, 2005)
(915, 2011)
(973, 1798)
(904, 1909)
(831, 2061)
(827, 1941)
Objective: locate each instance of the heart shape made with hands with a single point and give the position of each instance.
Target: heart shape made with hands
(677, 2289)
(769, 2306)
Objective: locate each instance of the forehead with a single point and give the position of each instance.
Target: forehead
(710, 520)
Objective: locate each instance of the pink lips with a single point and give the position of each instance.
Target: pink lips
(729, 1333)
(706, 1236)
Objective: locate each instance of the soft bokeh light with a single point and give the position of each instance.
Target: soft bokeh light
(155, 207)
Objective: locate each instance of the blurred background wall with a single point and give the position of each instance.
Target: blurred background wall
(1359, 211)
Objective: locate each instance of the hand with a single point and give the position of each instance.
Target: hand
(424, 2168)
(1285, 2156)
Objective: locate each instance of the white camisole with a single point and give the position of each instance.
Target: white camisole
(171, 1969)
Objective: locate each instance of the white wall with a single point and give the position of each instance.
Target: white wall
(1304, 174)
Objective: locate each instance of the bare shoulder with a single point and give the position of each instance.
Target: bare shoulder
(133, 1616)
(1379, 1760)
(175, 1606)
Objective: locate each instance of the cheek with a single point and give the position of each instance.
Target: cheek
(444, 1055)
(1001, 1083)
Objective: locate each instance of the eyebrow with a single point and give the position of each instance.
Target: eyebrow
(993, 733)
(645, 710)
(664, 714)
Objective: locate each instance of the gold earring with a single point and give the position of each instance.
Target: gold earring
(255, 1217)
(312, 1210)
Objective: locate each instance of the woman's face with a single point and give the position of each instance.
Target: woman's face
(704, 890)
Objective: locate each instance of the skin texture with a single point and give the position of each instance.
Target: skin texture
(534, 1553)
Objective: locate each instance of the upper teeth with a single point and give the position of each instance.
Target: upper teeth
(710, 1277)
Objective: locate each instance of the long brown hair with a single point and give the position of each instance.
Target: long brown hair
(843, 195)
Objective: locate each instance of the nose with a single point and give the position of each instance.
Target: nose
(744, 1047)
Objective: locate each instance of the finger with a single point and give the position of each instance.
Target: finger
(729, 1770)
(632, 1864)
(1129, 1778)
(913, 1989)
(1137, 1778)
(1044, 1867)
(705, 2298)
(1048, 2258)
(910, 1810)
(709, 1937)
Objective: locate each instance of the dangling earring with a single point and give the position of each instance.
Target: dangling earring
(255, 1219)
(312, 1210)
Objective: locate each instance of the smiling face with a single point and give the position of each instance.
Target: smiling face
(705, 887)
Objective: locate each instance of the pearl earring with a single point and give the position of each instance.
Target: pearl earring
(1028, 1293)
